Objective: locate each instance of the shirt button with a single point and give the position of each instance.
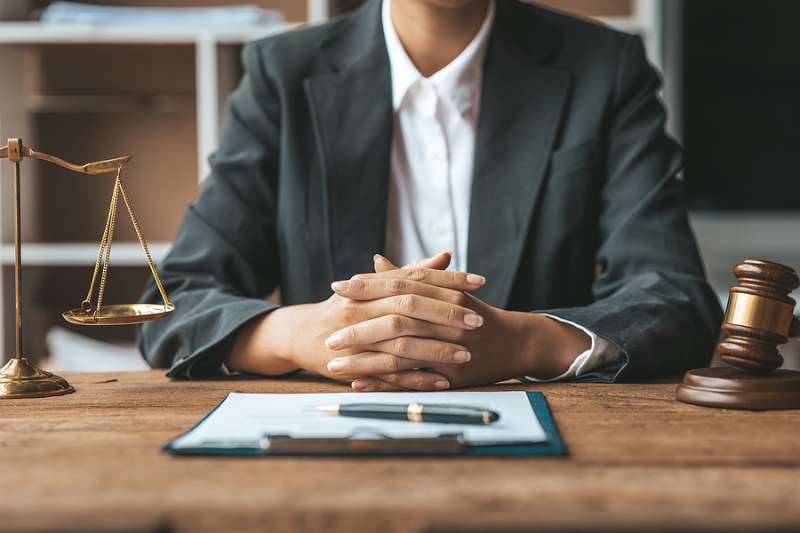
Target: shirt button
(427, 100)
(435, 153)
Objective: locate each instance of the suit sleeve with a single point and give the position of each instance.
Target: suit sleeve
(652, 299)
(225, 258)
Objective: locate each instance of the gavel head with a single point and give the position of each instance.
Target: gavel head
(759, 316)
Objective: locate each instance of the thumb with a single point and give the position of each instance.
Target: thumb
(439, 261)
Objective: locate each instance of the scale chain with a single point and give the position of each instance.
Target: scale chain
(107, 260)
(143, 244)
(86, 305)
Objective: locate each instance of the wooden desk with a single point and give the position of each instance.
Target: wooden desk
(638, 460)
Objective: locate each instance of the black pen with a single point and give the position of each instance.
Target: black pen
(415, 412)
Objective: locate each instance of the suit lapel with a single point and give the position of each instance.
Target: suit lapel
(352, 117)
(521, 107)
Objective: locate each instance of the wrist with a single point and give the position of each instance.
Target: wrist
(548, 347)
(264, 345)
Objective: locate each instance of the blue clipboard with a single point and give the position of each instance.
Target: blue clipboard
(447, 445)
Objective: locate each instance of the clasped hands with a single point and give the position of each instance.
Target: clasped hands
(411, 328)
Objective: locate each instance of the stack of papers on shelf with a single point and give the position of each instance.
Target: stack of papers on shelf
(215, 17)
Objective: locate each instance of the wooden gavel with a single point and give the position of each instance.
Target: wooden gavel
(760, 316)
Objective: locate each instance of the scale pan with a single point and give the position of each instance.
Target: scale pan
(117, 315)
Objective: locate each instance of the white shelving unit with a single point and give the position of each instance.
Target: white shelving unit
(205, 41)
(207, 98)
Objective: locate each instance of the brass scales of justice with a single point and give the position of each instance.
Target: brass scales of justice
(20, 378)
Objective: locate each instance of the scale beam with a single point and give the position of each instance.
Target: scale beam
(94, 168)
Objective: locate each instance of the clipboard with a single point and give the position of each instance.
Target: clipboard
(441, 446)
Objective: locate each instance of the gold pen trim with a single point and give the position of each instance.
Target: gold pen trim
(414, 412)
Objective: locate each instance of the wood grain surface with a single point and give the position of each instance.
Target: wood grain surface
(91, 461)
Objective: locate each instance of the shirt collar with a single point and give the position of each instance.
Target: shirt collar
(458, 81)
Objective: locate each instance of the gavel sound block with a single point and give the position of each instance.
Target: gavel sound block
(759, 319)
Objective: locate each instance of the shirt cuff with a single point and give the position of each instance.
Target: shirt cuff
(601, 352)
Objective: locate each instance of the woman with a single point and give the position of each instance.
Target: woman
(528, 144)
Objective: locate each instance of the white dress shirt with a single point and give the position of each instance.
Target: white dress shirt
(433, 147)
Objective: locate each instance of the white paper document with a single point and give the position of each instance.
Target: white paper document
(246, 419)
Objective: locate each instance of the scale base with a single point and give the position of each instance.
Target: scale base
(731, 388)
(20, 379)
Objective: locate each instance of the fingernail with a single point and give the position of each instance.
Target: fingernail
(340, 285)
(473, 320)
(358, 385)
(442, 385)
(378, 256)
(462, 356)
(334, 341)
(337, 365)
(475, 279)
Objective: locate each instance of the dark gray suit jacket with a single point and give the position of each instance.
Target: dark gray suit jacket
(573, 174)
